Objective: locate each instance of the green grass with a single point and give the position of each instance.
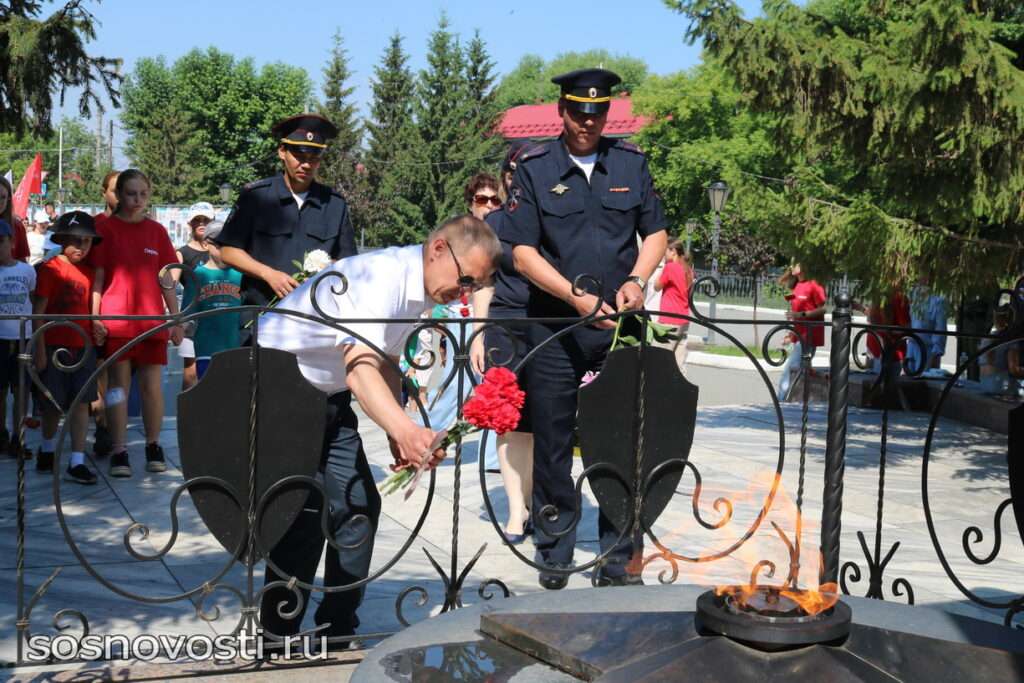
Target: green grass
(737, 351)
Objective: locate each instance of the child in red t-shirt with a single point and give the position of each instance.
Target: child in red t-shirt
(135, 249)
(807, 302)
(674, 285)
(64, 288)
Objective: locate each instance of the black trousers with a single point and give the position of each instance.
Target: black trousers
(554, 376)
(351, 491)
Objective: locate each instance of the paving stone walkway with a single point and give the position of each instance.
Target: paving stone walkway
(736, 450)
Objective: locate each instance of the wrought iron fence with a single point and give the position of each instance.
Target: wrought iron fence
(764, 290)
(638, 486)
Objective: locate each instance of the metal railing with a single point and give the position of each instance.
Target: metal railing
(845, 338)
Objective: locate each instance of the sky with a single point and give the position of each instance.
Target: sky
(300, 33)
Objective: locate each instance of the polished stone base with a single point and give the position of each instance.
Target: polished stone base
(643, 634)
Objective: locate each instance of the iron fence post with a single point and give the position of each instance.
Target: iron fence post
(835, 444)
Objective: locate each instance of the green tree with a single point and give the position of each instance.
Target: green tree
(530, 81)
(212, 113)
(337, 105)
(168, 151)
(442, 108)
(479, 145)
(394, 156)
(700, 131)
(41, 56)
(342, 166)
(904, 123)
(455, 118)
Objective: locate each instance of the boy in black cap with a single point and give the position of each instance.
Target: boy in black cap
(578, 206)
(63, 288)
(278, 220)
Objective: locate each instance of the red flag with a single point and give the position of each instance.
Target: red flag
(31, 183)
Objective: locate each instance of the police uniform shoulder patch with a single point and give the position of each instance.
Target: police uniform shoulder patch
(629, 147)
(540, 149)
(263, 182)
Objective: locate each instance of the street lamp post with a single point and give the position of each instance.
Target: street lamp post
(718, 193)
(225, 192)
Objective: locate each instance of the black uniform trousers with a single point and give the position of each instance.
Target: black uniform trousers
(554, 376)
(348, 481)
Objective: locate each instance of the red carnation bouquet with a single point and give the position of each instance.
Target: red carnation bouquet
(495, 404)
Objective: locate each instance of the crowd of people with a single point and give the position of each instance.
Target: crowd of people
(107, 265)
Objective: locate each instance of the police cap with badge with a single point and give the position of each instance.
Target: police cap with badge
(588, 91)
(305, 133)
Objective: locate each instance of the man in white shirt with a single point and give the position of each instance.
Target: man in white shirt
(391, 288)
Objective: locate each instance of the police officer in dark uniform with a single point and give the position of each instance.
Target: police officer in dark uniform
(577, 206)
(280, 219)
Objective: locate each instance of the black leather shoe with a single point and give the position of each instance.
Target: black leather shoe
(554, 582)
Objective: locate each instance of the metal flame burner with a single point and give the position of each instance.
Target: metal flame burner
(770, 622)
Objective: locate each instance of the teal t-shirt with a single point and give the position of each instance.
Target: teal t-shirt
(215, 288)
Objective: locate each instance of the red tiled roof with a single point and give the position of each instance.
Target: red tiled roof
(542, 120)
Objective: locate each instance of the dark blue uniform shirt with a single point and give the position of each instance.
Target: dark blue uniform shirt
(267, 223)
(580, 227)
(511, 290)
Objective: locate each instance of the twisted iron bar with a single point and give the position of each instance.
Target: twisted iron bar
(835, 439)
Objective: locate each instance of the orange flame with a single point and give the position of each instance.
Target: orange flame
(767, 554)
(814, 601)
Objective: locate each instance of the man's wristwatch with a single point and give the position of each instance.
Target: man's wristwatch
(638, 280)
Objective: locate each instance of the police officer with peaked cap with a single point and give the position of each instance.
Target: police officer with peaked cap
(280, 219)
(577, 206)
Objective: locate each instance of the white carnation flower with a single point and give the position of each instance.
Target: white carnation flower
(316, 261)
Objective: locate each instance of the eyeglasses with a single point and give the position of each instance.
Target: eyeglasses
(465, 281)
(492, 199)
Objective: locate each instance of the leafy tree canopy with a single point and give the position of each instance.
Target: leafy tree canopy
(701, 131)
(205, 120)
(903, 122)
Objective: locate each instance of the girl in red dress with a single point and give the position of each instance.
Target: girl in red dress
(128, 263)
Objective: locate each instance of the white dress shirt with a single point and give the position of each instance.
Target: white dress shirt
(386, 285)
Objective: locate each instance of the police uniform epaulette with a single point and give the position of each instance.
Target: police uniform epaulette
(540, 149)
(263, 182)
(629, 147)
